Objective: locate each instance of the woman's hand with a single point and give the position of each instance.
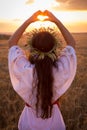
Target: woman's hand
(34, 17)
(51, 17)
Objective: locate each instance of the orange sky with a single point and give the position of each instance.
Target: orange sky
(71, 12)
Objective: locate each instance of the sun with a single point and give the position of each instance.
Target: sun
(42, 17)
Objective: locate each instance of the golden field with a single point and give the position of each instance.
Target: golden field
(73, 103)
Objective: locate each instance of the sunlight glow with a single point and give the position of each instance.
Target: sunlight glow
(42, 17)
(40, 24)
(71, 16)
(14, 13)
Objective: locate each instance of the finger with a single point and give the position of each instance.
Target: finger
(46, 19)
(45, 12)
(37, 13)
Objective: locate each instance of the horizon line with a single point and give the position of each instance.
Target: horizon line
(7, 33)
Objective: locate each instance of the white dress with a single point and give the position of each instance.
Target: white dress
(21, 74)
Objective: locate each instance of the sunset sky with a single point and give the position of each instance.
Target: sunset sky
(73, 13)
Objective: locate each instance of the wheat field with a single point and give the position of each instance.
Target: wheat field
(73, 103)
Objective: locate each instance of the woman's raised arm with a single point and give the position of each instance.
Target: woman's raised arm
(66, 34)
(16, 36)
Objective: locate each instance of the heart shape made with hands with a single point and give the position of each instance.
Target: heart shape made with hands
(42, 16)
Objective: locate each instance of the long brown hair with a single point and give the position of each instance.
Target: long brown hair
(44, 42)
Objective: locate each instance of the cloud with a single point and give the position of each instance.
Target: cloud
(61, 1)
(72, 4)
(65, 4)
(78, 4)
(30, 1)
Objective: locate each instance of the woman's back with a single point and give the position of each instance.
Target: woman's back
(20, 67)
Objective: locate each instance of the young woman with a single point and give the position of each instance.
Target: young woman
(42, 79)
